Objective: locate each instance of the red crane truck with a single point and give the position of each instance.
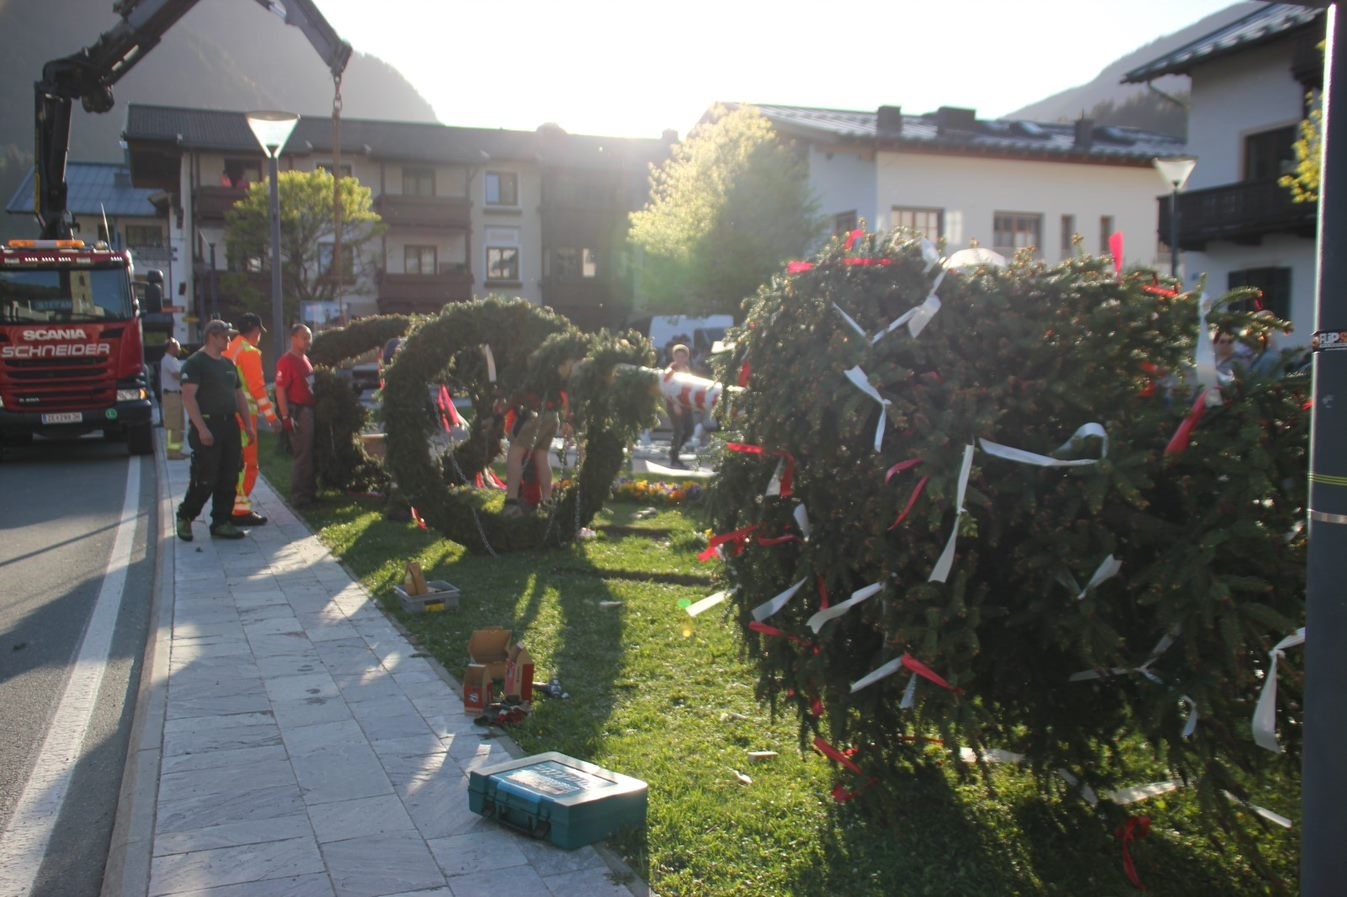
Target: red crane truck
(72, 357)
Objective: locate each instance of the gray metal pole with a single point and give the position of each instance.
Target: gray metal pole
(1323, 838)
(278, 339)
(1174, 234)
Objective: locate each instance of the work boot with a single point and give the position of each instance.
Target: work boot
(252, 518)
(226, 530)
(184, 529)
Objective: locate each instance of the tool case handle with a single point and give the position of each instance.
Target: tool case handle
(531, 825)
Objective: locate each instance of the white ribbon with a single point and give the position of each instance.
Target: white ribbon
(768, 608)
(874, 676)
(1019, 455)
(1190, 721)
(1125, 796)
(1204, 356)
(1267, 814)
(490, 363)
(1086, 792)
(774, 487)
(916, 319)
(802, 521)
(861, 381)
(1145, 669)
(909, 693)
(850, 320)
(1265, 714)
(931, 255)
(707, 603)
(1107, 569)
(942, 566)
(817, 620)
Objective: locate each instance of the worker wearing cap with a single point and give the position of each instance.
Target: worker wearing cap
(247, 357)
(212, 395)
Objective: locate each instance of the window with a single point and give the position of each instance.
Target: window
(418, 182)
(1013, 231)
(502, 188)
(927, 222)
(1269, 154)
(1275, 284)
(502, 254)
(144, 235)
(570, 264)
(240, 173)
(419, 260)
(1068, 235)
(1105, 233)
(844, 223)
(327, 166)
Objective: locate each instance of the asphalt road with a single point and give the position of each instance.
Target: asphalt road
(60, 508)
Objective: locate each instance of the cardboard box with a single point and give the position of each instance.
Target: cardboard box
(439, 596)
(491, 648)
(477, 688)
(519, 674)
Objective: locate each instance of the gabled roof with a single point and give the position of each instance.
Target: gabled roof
(228, 131)
(959, 130)
(93, 189)
(1267, 23)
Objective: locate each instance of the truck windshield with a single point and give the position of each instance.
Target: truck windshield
(65, 294)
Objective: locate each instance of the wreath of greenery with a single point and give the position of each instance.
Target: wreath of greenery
(611, 400)
(340, 459)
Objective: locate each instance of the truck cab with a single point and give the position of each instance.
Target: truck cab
(71, 346)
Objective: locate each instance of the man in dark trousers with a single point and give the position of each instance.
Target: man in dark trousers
(294, 401)
(212, 395)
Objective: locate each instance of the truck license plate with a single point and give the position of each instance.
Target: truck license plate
(64, 417)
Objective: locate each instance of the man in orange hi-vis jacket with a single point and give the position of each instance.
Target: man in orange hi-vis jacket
(247, 358)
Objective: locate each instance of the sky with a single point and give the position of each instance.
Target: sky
(635, 69)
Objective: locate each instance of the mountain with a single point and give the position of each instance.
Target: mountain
(224, 54)
(1110, 102)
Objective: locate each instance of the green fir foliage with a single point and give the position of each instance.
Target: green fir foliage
(1211, 539)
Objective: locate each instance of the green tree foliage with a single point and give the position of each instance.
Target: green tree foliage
(307, 235)
(1304, 184)
(1211, 539)
(728, 208)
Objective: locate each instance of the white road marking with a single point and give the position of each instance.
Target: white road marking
(24, 843)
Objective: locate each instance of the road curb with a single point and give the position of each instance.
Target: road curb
(127, 873)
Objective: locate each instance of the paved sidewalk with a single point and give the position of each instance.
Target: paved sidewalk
(290, 742)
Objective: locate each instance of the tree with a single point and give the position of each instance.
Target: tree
(307, 237)
(1304, 184)
(729, 207)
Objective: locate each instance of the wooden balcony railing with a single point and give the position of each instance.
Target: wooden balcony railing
(211, 203)
(424, 211)
(422, 293)
(1240, 213)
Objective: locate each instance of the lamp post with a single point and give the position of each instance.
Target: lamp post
(272, 130)
(1175, 170)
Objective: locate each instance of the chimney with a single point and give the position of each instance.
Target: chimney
(1084, 134)
(953, 118)
(889, 121)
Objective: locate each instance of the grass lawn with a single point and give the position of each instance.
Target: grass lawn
(669, 700)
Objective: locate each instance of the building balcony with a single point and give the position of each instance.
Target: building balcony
(210, 203)
(1240, 213)
(423, 293)
(424, 211)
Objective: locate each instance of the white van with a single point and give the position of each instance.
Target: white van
(699, 332)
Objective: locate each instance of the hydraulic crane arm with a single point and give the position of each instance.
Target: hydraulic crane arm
(90, 74)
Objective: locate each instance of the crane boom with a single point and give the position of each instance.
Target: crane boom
(89, 75)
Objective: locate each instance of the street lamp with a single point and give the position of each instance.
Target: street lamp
(1175, 170)
(272, 130)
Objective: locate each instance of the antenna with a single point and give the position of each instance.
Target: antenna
(107, 231)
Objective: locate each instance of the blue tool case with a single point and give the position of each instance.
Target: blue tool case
(558, 798)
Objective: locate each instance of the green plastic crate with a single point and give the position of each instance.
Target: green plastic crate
(558, 798)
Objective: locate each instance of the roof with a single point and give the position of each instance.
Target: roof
(1265, 24)
(204, 129)
(94, 188)
(959, 130)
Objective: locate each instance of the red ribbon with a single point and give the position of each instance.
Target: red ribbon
(853, 238)
(823, 602)
(916, 493)
(1160, 291)
(745, 373)
(841, 793)
(1115, 246)
(1133, 829)
(767, 542)
(799, 267)
(1178, 444)
(739, 538)
(417, 517)
(927, 673)
(772, 631)
(866, 263)
(448, 411)
(787, 476)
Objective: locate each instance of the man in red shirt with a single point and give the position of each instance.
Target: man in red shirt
(294, 401)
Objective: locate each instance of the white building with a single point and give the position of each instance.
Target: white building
(1237, 226)
(1007, 185)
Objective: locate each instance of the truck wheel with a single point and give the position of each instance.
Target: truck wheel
(140, 439)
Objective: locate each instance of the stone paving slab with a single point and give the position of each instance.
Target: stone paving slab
(303, 750)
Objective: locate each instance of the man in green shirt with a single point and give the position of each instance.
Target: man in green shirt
(212, 395)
